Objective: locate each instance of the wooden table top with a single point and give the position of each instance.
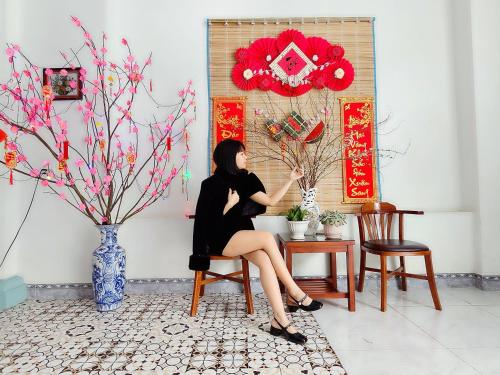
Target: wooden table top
(285, 237)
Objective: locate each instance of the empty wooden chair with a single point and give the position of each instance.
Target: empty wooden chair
(375, 223)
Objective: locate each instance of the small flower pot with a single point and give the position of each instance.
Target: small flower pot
(297, 229)
(331, 231)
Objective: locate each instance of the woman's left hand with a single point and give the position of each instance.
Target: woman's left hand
(296, 173)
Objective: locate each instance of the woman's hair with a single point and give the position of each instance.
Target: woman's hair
(225, 155)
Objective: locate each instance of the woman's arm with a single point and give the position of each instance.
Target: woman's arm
(272, 199)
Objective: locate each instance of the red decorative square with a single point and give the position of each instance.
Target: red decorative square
(292, 63)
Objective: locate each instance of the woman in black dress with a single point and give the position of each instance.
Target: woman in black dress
(223, 225)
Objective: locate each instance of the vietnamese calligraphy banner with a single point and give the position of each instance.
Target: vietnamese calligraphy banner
(228, 120)
(358, 165)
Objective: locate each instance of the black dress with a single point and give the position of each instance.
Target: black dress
(212, 229)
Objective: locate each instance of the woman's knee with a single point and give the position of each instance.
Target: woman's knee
(260, 258)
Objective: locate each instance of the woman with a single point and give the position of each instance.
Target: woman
(223, 226)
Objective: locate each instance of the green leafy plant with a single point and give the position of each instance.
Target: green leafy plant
(297, 213)
(333, 217)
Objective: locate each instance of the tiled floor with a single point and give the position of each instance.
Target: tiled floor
(153, 334)
(411, 337)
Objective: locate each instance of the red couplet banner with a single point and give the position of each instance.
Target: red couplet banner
(357, 123)
(229, 118)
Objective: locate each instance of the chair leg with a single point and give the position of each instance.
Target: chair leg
(196, 292)
(246, 286)
(362, 265)
(383, 282)
(403, 278)
(202, 288)
(432, 281)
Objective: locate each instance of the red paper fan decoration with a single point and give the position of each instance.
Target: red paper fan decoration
(266, 82)
(291, 35)
(318, 79)
(241, 54)
(291, 64)
(339, 76)
(263, 50)
(335, 52)
(245, 75)
(317, 49)
(287, 90)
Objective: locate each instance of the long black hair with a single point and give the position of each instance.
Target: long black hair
(225, 156)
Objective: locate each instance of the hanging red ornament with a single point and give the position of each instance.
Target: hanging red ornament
(3, 136)
(131, 161)
(47, 99)
(102, 145)
(169, 143)
(150, 85)
(11, 163)
(65, 148)
(61, 166)
(283, 148)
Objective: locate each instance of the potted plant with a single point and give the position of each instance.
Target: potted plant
(297, 222)
(333, 221)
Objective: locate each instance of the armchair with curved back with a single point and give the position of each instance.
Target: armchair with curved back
(375, 224)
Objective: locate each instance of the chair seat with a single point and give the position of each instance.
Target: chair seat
(394, 245)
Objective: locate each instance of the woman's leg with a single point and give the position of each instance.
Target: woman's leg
(270, 285)
(245, 241)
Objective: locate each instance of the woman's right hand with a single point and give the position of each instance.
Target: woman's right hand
(232, 197)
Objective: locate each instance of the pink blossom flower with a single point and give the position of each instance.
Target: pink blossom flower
(60, 183)
(34, 172)
(63, 72)
(45, 183)
(72, 84)
(76, 21)
(82, 206)
(62, 196)
(79, 163)
(10, 52)
(124, 41)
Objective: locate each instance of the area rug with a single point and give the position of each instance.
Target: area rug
(154, 334)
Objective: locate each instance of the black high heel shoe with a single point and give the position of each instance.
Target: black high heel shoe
(297, 338)
(314, 305)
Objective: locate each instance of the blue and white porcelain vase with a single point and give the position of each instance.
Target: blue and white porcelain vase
(108, 270)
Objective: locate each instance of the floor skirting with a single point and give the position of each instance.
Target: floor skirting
(185, 285)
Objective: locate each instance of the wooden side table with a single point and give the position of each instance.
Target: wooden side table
(325, 287)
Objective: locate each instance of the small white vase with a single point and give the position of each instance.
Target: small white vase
(297, 229)
(331, 231)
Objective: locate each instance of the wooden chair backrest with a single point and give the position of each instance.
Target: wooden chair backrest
(375, 221)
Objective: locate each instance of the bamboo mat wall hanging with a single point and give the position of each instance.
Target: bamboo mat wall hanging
(225, 36)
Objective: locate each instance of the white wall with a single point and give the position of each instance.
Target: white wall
(417, 73)
(486, 60)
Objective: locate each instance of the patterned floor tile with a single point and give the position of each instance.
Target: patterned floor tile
(155, 334)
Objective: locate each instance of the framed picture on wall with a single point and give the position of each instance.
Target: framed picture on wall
(65, 83)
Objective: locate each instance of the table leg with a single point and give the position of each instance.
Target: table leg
(282, 252)
(333, 270)
(350, 278)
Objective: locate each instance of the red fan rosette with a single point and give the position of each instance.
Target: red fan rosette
(241, 54)
(317, 50)
(339, 75)
(245, 75)
(263, 51)
(335, 52)
(291, 35)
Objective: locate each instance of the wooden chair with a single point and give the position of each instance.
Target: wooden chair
(374, 223)
(200, 281)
